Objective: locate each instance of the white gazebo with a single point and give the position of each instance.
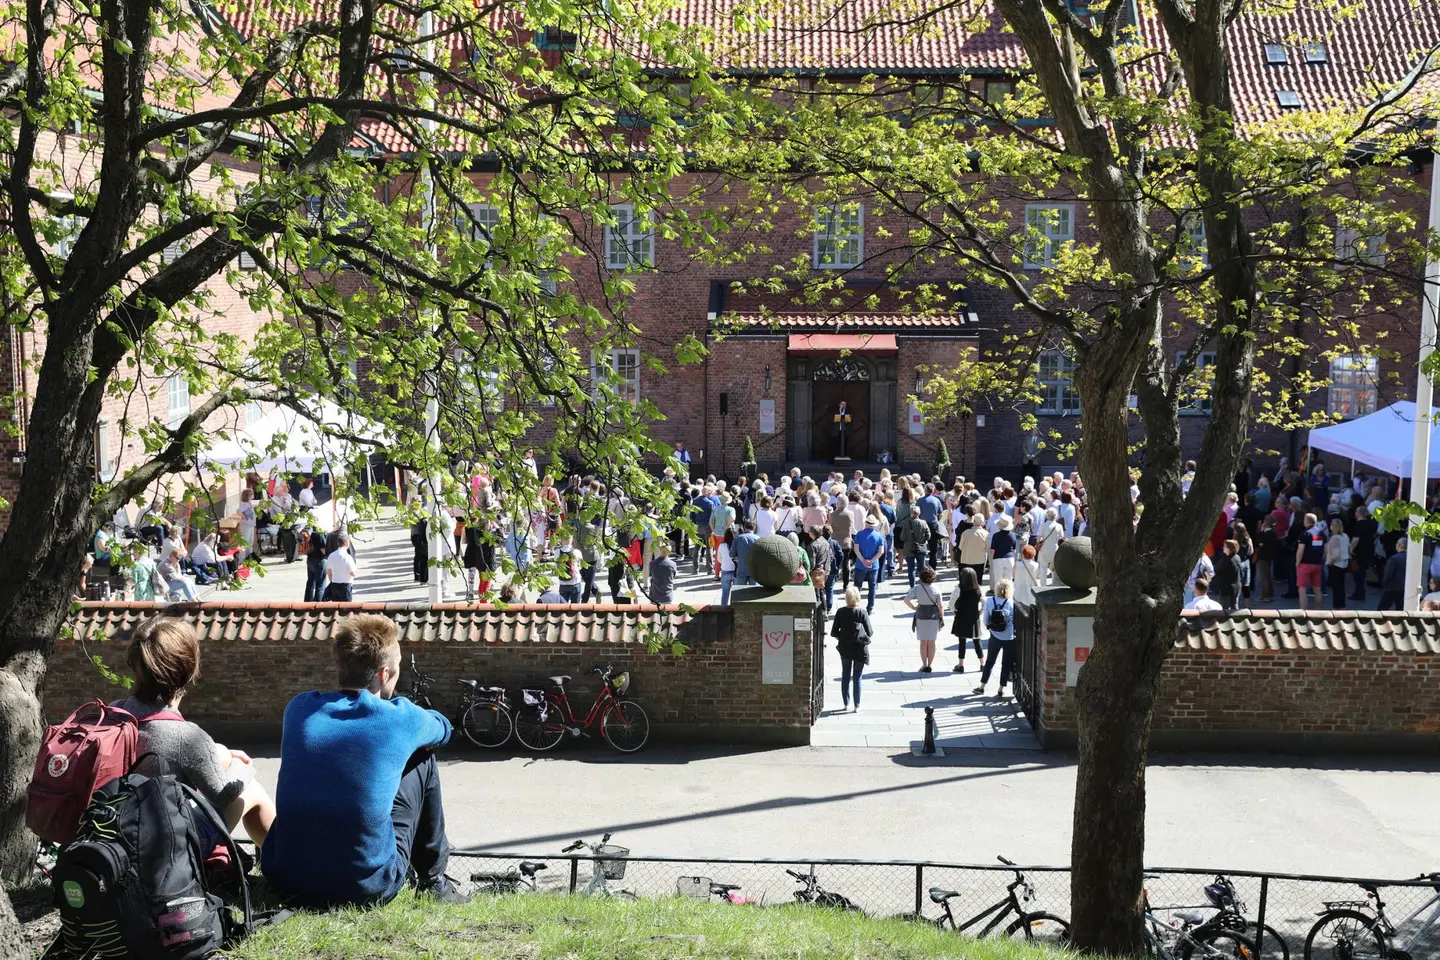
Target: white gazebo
(1384, 439)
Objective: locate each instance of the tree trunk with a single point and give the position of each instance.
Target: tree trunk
(1114, 697)
(13, 945)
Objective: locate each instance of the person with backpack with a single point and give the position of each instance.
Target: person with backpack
(358, 805)
(914, 540)
(965, 619)
(852, 632)
(164, 659)
(999, 618)
(929, 607)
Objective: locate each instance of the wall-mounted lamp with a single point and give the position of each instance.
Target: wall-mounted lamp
(919, 385)
(767, 379)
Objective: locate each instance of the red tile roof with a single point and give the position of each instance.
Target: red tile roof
(896, 322)
(225, 621)
(1389, 632)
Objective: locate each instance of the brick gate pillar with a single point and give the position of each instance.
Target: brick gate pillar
(788, 660)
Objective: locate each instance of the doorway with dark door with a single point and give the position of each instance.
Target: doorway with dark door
(824, 404)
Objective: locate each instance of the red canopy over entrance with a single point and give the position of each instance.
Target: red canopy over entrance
(835, 342)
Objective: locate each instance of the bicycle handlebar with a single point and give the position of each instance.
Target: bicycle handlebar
(574, 846)
(797, 876)
(1008, 863)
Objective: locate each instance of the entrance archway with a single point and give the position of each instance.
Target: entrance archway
(836, 379)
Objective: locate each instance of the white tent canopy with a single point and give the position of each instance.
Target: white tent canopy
(1385, 439)
(305, 448)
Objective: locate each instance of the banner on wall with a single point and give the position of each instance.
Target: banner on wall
(777, 653)
(767, 416)
(917, 422)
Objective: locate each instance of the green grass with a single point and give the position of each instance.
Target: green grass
(543, 926)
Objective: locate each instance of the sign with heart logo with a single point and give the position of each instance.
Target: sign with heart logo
(777, 649)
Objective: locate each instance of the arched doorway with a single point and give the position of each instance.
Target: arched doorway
(836, 379)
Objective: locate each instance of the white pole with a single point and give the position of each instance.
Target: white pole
(439, 529)
(1424, 397)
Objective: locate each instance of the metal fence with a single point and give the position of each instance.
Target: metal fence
(1286, 905)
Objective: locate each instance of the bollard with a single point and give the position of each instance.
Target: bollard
(929, 730)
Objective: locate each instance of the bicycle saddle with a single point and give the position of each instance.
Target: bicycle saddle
(530, 867)
(723, 887)
(494, 876)
(940, 896)
(1190, 916)
(559, 681)
(469, 683)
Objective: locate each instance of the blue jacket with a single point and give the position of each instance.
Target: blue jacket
(743, 543)
(342, 754)
(930, 508)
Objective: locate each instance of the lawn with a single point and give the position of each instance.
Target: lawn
(542, 926)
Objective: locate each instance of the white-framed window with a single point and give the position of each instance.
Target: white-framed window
(1353, 390)
(247, 261)
(1194, 250)
(106, 465)
(177, 398)
(254, 409)
(331, 211)
(839, 237)
(1351, 245)
(1048, 227)
(1201, 404)
(623, 366)
(483, 221)
(1057, 388)
(69, 228)
(631, 241)
(173, 251)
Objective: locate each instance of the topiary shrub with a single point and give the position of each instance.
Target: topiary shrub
(748, 466)
(942, 456)
(773, 561)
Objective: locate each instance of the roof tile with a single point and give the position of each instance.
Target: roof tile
(1320, 630)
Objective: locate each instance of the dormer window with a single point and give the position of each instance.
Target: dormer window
(1316, 53)
(1288, 99)
(556, 38)
(1276, 54)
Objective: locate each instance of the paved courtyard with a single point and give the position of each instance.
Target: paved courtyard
(894, 692)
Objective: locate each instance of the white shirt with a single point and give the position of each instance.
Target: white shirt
(1066, 513)
(1206, 605)
(1049, 536)
(1203, 565)
(1026, 578)
(764, 522)
(202, 554)
(340, 566)
(307, 497)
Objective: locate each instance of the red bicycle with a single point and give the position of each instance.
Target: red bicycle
(545, 718)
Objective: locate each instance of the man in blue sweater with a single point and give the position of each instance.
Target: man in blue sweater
(358, 801)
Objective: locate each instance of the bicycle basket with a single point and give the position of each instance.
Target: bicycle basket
(615, 869)
(620, 684)
(697, 888)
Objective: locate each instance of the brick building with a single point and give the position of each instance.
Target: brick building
(777, 370)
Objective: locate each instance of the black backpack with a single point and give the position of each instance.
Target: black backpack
(996, 622)
(135, 883)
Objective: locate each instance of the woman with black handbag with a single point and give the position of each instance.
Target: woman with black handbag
(929, 609)
(852, 632)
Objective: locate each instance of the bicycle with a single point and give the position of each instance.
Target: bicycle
(1224, 897)
(815, 895)
(1188, 936)
(703, 888)
(609, 864)
(485, 717)
(509, 881)
(1358, 930)
(545, 718)
(1028, 925)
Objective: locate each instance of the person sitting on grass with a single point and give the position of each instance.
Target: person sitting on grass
(358, 803)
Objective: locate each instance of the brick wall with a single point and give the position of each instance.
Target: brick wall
(254, 658)
(1282, 681)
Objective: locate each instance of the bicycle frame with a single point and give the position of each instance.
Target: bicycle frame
(1390, 929)
(597, 709)
(1009, 905)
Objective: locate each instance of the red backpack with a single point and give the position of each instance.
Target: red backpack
(77, 758)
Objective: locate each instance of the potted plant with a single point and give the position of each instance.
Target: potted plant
(748, 466)
(942, 461)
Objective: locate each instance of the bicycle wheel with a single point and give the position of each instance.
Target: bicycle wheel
(1040, 927)
(488, 723)
(1216, 944)
(1345, 935)
(625, 726)
(537, 734)
(1273, 947)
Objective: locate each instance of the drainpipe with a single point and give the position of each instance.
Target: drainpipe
(1424, 394)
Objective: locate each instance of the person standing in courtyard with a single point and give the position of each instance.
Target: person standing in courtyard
(998, 617)
(340, 568)
(965, 617)
(662, 575)
(1310, 560)
(1225, 585)
(1337, 564)
(852, 632)
(1002, 549)
(975, 546)
(869, 552)
(929, 606)
(914, 539)
(1392, 581)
